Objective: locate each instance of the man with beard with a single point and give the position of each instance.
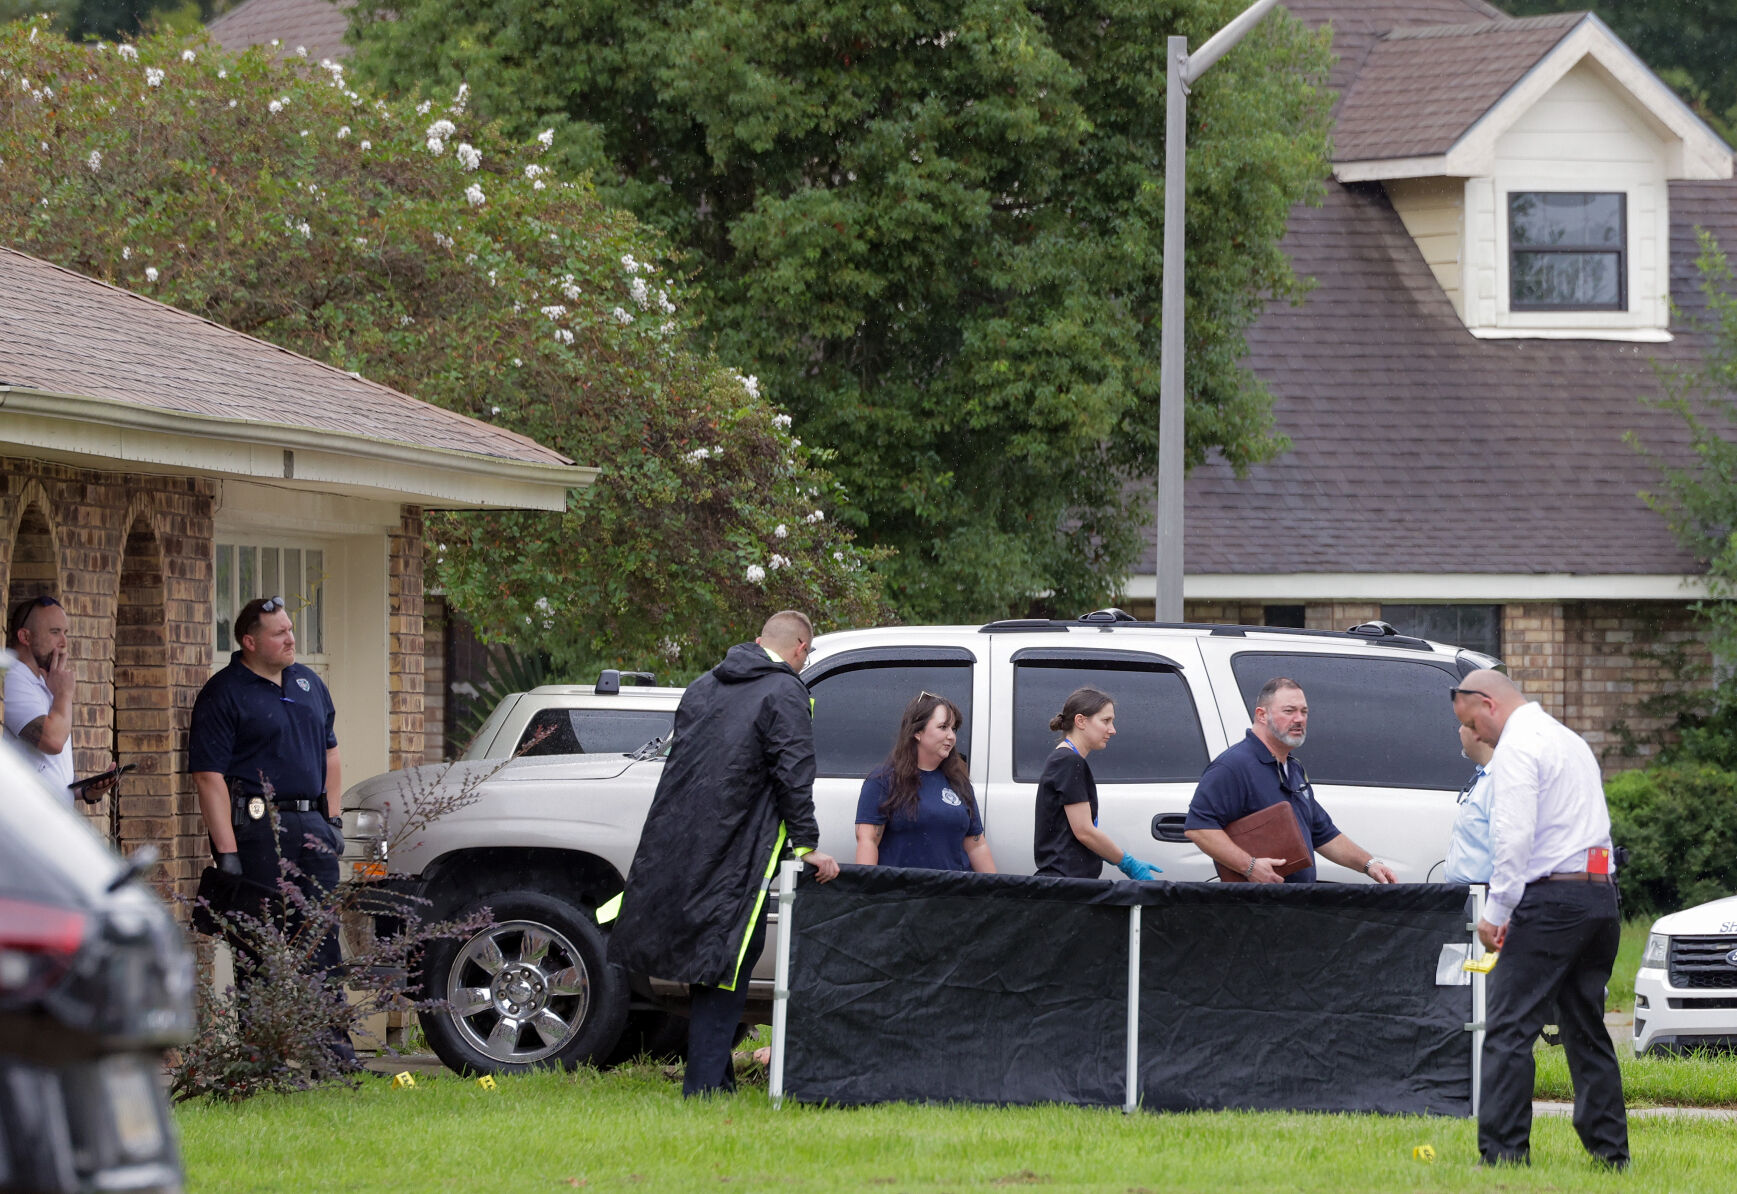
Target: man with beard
(39, 690)
(1260, 771)
(736, 791)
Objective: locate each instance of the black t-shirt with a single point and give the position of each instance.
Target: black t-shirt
(1067, 779)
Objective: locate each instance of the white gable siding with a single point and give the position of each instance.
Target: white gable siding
(1432, 210)
(1582, 135)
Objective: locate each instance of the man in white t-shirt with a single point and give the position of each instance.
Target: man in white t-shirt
(39, 690)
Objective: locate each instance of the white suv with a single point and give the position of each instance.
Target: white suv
(1382, 753)
(1685, 993)
(549, 837)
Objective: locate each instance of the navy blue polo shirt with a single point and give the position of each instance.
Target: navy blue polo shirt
(1245, 779)
(933, 834)
(247, 728)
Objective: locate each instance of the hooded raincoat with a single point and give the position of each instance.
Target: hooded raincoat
(738, 789)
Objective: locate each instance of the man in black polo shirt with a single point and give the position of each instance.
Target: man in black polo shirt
(262, 735)
(1260, 771)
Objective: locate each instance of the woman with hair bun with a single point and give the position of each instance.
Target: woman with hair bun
(1068, 841)
(917, 808)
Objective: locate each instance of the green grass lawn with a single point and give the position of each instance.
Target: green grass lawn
(1628, 956)
(631, 1130)
(1695, 1081)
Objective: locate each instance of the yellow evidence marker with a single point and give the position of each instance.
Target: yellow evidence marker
(403, 1081)
(487, 1082)
(1481, 965)
(1424, 1152)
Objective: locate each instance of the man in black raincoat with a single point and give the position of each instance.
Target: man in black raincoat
(737, 789)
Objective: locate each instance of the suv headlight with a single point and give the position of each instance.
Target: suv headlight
(369, 823)
(1658, 945)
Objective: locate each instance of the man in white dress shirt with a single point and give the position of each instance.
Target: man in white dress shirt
(1552, 914)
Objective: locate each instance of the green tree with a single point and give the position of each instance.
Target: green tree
(936, 228)
(1691, 44)
(116, 18)
(422, 249)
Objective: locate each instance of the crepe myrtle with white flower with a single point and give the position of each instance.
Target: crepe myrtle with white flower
(698, 470)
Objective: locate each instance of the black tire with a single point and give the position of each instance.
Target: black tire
(551, 997)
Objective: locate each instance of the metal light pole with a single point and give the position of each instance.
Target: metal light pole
(1181, 69)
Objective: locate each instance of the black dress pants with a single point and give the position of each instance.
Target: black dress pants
(712, 1020)
(1561, 942)
(258, 852)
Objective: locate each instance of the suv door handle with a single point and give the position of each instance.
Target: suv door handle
(1167, 827)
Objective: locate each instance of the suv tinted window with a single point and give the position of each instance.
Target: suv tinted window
(857, 710)
(1158, 736)
(1378, 722)
(594, 731)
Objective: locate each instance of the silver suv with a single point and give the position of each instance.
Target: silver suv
(578, 719)
(550, 837)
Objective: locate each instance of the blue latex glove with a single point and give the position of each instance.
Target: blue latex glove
(1135, 869)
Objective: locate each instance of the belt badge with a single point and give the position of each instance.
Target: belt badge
(256, 807)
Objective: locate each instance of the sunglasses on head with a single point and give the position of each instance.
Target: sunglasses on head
(271, 605)
(22, 610)
(1455, 694)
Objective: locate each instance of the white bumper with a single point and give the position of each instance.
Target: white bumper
(1668, 1018)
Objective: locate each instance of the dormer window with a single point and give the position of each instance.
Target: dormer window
(1567, 251)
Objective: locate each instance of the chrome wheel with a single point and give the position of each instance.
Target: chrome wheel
(519, 991)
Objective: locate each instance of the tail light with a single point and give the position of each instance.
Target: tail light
(37, 944)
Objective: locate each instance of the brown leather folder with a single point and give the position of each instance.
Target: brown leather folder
(1271, 833)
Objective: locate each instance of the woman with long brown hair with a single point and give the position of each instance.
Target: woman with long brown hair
(917, 808)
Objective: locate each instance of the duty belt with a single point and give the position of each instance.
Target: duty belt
(299, 804)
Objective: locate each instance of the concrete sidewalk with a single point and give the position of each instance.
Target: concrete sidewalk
(1540, 1107)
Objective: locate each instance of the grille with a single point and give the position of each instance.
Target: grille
(1700, 962)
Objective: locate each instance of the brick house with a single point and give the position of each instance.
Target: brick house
(1511, 218)
(157, 470)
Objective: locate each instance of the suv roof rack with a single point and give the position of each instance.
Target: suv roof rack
(609, 681)
(1375, 634)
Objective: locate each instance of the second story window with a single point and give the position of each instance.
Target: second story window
(1567, 251)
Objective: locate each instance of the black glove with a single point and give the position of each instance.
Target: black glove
(336, 821)
(229, 864)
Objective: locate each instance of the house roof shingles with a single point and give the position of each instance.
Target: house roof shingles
(1419, 90)
(64, 333)
(1360, 24)
(316, 24)
(1419, 448)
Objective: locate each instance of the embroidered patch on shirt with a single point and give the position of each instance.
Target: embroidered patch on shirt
(302, 683)
(948, 796)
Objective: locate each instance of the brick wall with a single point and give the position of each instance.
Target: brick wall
(1617, 654)
(1339, 615)
(1231, 613)
(1535, 650)
(434, 698)
(129, 556)
(406, 664)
